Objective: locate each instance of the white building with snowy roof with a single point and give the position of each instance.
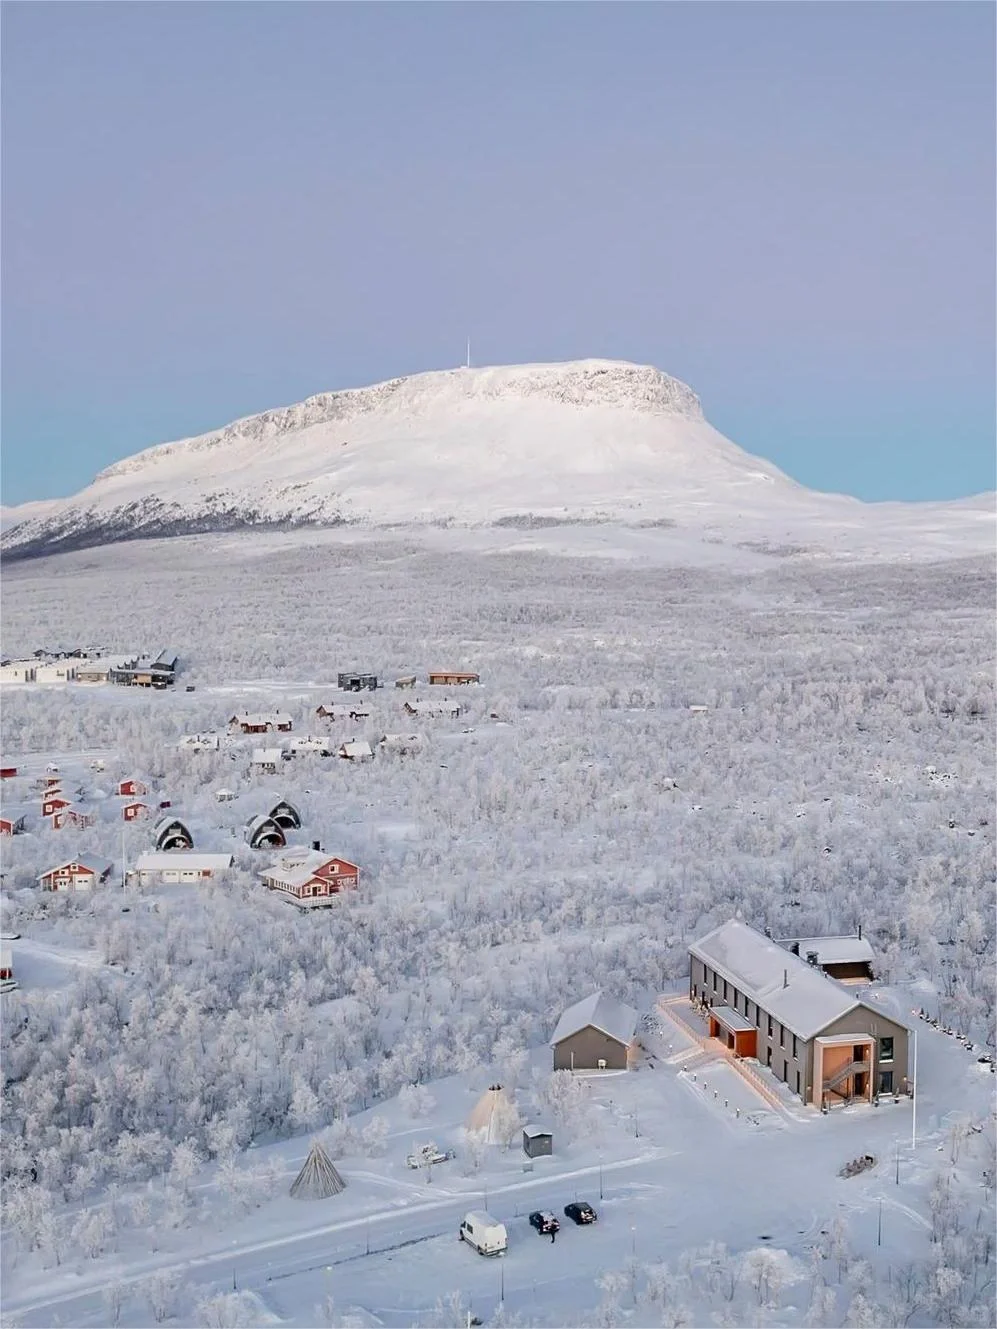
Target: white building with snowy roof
(187, 866)
(595, 1034)
(764, 1002)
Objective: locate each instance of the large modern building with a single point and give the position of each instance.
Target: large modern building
(763, 1001)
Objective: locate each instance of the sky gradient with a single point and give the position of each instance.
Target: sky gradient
(210, 209)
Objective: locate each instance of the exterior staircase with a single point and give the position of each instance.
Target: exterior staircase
(842, 1074)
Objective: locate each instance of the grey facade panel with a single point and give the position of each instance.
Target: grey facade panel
(583, 1052)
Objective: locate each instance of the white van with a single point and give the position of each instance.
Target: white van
(484, 1233)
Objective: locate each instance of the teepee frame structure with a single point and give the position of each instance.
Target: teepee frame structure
(492, 1116)
(318, 1179)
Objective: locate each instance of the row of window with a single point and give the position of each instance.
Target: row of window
(731, 995)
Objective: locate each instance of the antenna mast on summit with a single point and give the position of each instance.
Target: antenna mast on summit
(469, 353)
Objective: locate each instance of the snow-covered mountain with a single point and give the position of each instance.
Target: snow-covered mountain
(525, 445)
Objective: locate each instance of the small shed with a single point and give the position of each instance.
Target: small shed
(538, 1141)
(407, 682)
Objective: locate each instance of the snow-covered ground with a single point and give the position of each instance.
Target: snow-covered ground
(170, 1053)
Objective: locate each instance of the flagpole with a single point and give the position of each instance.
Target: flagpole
(913, 1097)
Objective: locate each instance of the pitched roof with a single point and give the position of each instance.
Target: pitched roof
(357, 747)
(797, 994)
(298, 866)
(262, 718)
(833, 950)
(597, 1011)
(266, 757)
(100, 867)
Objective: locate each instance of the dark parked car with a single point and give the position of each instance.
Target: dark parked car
(580, 1212)
(544, 1221)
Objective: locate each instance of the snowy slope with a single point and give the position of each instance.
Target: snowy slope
(514, 446)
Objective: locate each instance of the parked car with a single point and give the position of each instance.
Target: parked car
(544, 1221)
(486, 1234)
(580, 1212)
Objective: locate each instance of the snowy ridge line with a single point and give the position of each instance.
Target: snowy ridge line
(223, 1255)
(517, 451)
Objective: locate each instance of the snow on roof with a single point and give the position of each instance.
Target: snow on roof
(357, 747)
(600, 1012)
(266, 756)
(479, 1218)
(732, 1020)
(533, 1131)
(833, 950)
(98, 866)
(797, 994)
(298, 866)
(183, 859)
(433, 707)
(263, 718)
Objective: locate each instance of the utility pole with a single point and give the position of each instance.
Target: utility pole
(469, 353)
(501, 1284)
(898, 1159)
(600, 1178)
(879, 1230)
(913, 1099)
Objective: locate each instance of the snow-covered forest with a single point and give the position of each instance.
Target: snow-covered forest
(574, 828)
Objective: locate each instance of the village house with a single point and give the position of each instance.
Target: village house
(53, 800)
(170, 834)
(263, 833)
(72, 815)
(343, 710)
(451, 677)
(310, 877)
(358, 749)
(450, 709)
(266, 761)
(815, 1035)
(225, 795)
(147, 672)
(99, 670)
(134, 809)
(131, 788)
(155, 869)
(408, 681)
(8, 772)
(309, 743)
(76, 875)
(352, 681)
(6, 965)
(848, 959)
(261, 722)
(595, 1034)
(13, 821)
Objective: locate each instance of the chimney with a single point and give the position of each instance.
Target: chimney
(316, 844)
(785, 978)
(860, 932)
(795, 948)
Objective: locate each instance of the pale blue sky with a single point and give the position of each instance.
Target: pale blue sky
(209, 209)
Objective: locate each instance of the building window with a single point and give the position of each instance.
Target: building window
(797, 1083)
(734, 1002)
(770, 1026)
(782, 1035)
(714, 980)
(886, 1049)
(758, 1015)
(725, 989)
(768, 1056)
(886, 1082)
(794, 1058)
(785, 1071)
